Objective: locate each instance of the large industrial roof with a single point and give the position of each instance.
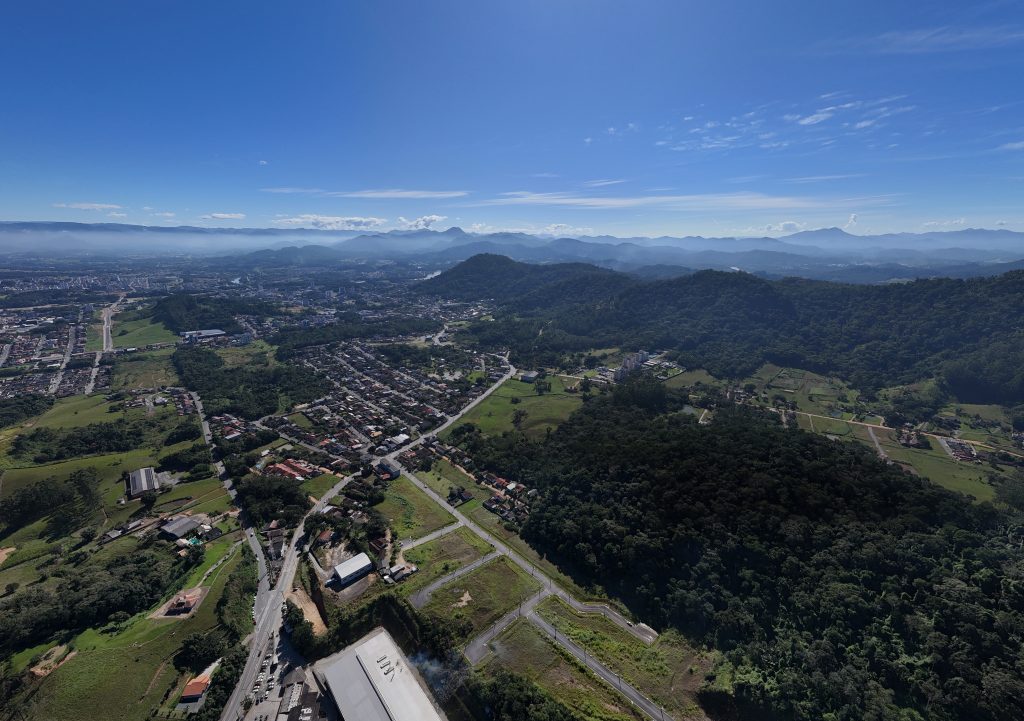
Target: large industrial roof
(371, 680)
(353, 565)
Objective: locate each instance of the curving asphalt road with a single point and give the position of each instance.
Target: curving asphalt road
(422, 597)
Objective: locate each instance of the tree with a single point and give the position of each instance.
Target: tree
(518, 416)
(11, 587)
(199, 650)
(148, 499)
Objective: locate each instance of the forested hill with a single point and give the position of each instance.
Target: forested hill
(525, 286)
(970, 332)
(839, 587)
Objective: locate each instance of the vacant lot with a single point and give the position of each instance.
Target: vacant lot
(485, 594)
(442, 556)
(669, 672)
(443, 475)
(494, 414)
(140, 332)
(410, 511)
(148, 370)
(319, 485)
(524, 649)
(124, 676)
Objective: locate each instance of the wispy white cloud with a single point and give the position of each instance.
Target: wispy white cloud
(263, 162)
(953, 223)
(851, 221)
(293, 191)
(545, 175)
(115, 214)
(814, 118)
(601, 183)
(88, 206)
(707, 201)
(823, 178)
(421, 223)
(936, 40)
(331, 222)
(223, 216)
(398, 194)
(166, 214)
(1019, 145)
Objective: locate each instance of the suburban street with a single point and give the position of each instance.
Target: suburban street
(268, 610)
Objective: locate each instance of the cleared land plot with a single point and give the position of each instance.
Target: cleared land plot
(493, 525)
(485, 594)
(443, 475)
(936, 465)
(410, 511)
(256, 353)
(494, 414)
(669, 672)
(442, 556)
(125, 676)
(140, 332)
(149, 370)
(319, 485)
(692, 377)
(525, 650)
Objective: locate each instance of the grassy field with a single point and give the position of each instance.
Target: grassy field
(669, 672)
(692, 377)
(319, 485)
(442, 556)
(410, 511)
(300, 420)
(139, 332)
(256, 353)
(494, 414)
(149, 370)
(76, 411)
(811, 392)
(123, 677)
(443, 475)
(936, 465)
(94, 332)
(525, 650)
(493, 525)
(485, 594)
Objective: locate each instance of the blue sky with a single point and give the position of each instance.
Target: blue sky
(571, 116)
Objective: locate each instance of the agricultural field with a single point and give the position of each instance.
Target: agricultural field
(669, 672)
(145, 370)
(410, 511)
(937, 466)
(523, 649)
(485, 594)
(495, 413)
(441, 556)
(692, 377)
(812, 393)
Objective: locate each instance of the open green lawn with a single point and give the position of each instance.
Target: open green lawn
(76, 411)
(140, 332)
(145, 370)
(485, 594)
(494, 414)
(669, 672)
(442, 556)
(319, 485)
(523, 649)
(123, 677)
(300, 420)
(410, 511)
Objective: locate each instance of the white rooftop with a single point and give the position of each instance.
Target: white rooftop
(353, 565)
(371, 680)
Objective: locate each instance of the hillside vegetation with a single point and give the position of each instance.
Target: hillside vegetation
(970, 333)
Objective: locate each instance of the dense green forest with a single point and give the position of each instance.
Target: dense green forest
(17, 409)
(45, 445)
(347, 327)
(250, 391)
(970, 333)
(182, 312)
(839, 587)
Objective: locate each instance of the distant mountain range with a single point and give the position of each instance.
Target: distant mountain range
(828, 253)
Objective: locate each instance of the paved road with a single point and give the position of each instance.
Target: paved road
(108, 325)
(55, 383)
(5, 350)
(479, 647)
(422, 597)
(410, 543)
(643, 703)
(878, 446)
